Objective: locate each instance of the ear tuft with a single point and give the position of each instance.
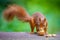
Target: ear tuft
(44, 19)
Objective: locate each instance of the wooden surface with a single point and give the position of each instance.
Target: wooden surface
(24, 36)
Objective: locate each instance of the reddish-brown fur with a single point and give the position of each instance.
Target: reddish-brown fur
(18, 11)
(37, 19)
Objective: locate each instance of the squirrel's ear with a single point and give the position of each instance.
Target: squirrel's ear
(44, 19)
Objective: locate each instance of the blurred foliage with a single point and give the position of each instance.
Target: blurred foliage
(50, 8)
(5, 2)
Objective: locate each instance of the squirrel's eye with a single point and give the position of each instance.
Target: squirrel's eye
(44, 25)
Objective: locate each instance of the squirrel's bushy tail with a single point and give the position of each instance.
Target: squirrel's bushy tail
(17, 11)
(8, 15)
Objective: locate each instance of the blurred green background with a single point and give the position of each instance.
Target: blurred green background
(50, 8)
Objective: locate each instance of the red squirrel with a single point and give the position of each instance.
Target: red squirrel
(39, 21)
(36, 20)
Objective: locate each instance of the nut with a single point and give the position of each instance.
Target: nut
(41, 33)
(53, 35)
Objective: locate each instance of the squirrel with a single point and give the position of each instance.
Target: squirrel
(37, 20)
